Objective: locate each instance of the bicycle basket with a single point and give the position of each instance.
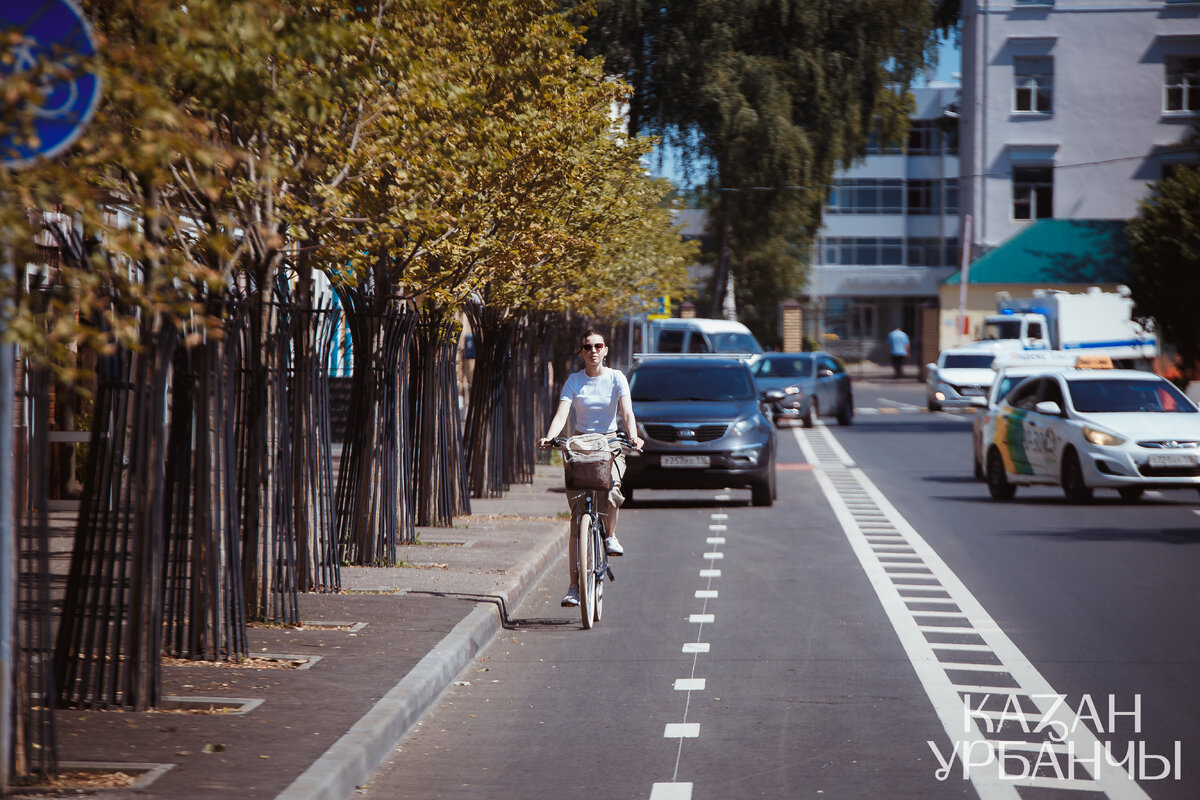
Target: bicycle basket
(588, 469)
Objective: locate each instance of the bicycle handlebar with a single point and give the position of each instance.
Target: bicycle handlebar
(560, 442)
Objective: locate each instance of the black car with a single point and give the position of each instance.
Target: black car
(704, 427)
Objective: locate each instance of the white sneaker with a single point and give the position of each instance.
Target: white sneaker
(613, 547)
(571, 598)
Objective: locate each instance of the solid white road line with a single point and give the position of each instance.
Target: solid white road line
(945, 681)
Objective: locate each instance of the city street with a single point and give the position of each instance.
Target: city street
(881, 622)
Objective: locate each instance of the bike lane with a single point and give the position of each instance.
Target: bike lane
(742, 653)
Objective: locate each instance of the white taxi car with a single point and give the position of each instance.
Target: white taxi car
(1011, 369)
(1087, 429)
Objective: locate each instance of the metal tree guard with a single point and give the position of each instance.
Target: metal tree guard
(439, 469)
(487, 417)
(528, 416)
(110, 637)
(205, 605)
(264, 430)
(374, 488)
(35, 743)
(312, 447)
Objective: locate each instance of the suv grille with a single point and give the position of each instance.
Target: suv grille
(669, 432)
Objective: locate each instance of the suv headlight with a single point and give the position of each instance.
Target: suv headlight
(1097, 436)
(792, 390)
(745, 424)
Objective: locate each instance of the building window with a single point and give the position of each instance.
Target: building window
(866, 196)
(862, 251)
(1033, 193)
(1181, 93)
(924, 197)
(951, 195)
(933, 197)
(932, 137)
(931, 252)
(1033, 84)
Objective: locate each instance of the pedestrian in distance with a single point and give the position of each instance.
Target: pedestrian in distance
(898, 347)
(599, 396)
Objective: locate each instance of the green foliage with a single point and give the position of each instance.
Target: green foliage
(768, 97)
(1165, 238)
(443, 150)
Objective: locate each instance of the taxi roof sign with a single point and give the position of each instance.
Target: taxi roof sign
(1051, 358)
(1093, 362)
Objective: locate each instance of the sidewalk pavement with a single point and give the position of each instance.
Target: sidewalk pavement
(331, 699)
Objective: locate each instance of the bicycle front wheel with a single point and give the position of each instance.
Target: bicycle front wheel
(587, 570)
(598, 548)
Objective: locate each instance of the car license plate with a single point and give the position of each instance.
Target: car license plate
(685, 461)
(1173, 460)
(973, 391)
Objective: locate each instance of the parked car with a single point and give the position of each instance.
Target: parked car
(960, 378)
(813, 385)
(699, 335)
(704, 427)
(1093, 429)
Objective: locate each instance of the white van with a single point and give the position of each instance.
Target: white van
(699, 336)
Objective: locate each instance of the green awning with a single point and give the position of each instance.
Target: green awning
(1052, 251)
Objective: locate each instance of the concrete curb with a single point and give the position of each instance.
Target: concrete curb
(354, 757)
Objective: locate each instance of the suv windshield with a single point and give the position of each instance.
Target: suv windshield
(983, 361)
(674, 383)
(1112, 395)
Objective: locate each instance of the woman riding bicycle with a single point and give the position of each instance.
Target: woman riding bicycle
(597, 395)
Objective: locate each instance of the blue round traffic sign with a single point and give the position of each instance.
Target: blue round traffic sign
(55, 41)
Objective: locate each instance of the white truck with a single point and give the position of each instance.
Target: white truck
(1090, 323)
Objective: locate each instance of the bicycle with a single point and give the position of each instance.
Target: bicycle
(591, 471)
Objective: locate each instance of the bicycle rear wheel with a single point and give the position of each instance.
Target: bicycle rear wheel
(587, 571)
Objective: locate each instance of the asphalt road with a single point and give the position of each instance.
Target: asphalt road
(785, 651)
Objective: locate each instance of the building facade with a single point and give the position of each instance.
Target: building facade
(890, 234)
(1070, 108)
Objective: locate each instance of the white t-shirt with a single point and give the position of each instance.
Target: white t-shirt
(595, 399)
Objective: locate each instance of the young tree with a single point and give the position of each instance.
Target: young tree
(1165, 238)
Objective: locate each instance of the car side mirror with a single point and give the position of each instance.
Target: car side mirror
(825, 373)
(773, 395)
(1049, 408)
(930, 367)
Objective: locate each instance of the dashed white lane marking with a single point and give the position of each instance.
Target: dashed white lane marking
(682, 730)
(947, 647)
(676, 789)
(671, 791)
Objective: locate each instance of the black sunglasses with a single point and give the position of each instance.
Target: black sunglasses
(592, 346)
